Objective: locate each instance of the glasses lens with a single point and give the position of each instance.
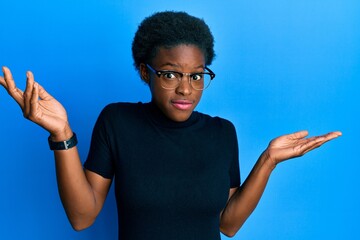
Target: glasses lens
(200, 81)
(171, 80)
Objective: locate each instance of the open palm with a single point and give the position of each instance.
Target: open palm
(36, 104)
(296, 144)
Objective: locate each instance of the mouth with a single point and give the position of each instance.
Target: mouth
(182, 104)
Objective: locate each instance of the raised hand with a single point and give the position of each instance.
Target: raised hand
(36, 104)
(295, 145)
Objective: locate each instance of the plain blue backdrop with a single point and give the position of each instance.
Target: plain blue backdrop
(281, 66)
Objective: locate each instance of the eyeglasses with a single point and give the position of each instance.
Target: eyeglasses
(171, 79)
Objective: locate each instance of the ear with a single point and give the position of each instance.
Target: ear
(144, 73)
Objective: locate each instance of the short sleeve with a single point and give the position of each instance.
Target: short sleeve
(99, 159)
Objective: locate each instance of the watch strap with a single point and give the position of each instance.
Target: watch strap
(63, 145)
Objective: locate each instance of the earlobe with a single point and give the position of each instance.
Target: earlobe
(144, 74)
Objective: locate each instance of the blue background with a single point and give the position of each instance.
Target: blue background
(281, 66)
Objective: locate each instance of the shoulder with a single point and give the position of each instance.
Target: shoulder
(122, 108)
(120, 112)
(217, 122)
(220, 132)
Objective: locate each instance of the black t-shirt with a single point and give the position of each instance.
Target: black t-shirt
(172, 179)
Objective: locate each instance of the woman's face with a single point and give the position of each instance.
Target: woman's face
(177, 104)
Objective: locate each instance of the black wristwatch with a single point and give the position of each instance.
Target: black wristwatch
(64, 145)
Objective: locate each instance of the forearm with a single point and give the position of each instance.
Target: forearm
(75, 190)
(245, 199)
(82, 193)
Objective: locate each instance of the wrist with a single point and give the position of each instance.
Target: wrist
(63, 145)
(61, 135)
(267, 160)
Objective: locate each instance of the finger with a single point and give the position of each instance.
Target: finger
(291, 136)
(34, 101)
(333, 134)
(8, 79)
(7, 74)
(2, 79)
(28, 93)
(329, 136)
(43, 94)
(298, 135)
(9, 84)
(315, 142)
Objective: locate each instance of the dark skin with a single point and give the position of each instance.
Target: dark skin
(83, 192)
(184, 58)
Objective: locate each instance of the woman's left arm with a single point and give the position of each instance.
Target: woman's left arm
(243, 200)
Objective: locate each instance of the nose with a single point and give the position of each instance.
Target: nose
(184, 87)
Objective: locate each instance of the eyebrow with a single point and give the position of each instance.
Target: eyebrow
(177, 66)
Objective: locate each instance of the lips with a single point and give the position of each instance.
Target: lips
(182, 104)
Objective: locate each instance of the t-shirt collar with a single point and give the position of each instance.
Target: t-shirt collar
(159, 118)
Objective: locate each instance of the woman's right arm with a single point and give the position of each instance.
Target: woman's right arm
(82, 193)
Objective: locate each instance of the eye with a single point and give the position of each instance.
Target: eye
(169, 75)
(197, 77)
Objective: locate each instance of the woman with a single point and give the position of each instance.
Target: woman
(176, 170)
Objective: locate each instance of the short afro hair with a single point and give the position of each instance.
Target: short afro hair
(169, 29)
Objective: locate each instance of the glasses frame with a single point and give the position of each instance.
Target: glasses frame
(181, 74)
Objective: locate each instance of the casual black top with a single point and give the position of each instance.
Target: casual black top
(172, 179)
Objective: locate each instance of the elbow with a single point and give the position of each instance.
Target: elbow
(228, 232)
(79, 227)
(80, 223)
(80, 220)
